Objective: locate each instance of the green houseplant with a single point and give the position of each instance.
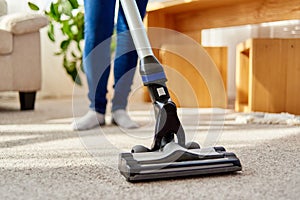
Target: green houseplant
(68, 15)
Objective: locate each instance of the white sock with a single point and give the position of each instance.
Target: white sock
(90, 120)
(122, 119)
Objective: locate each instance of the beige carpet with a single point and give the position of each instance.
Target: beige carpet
(41, 158)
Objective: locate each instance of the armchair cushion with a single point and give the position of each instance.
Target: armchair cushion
(6, 44)
(20, 23)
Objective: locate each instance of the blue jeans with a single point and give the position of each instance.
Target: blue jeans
(99, 26)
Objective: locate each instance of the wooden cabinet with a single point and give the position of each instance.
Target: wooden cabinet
(268, 75)
(191, 87)
(188, 16)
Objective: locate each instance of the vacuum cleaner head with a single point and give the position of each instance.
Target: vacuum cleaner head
(165, 159)
(176, 161)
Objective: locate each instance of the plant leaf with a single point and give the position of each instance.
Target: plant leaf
(66, 8)
(79, 47)
(71, 69)
(64, 45)
(74, 3)
(76, 77)
(58, 53)
(33, 6)
(54, 13)
(78, 80)
(51, 36)
(81, 66)
(66, 30)
(73, 54)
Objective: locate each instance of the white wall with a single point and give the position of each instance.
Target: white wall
(228, 37)
(21, 5)
(232, 36)
(56, 83)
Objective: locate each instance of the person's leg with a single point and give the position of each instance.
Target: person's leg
(99, 24)
(124, 67)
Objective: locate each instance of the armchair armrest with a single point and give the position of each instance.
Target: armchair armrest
(20, 23)
(6, 44)
(3, 7)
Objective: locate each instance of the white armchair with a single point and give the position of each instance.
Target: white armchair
(20, 54)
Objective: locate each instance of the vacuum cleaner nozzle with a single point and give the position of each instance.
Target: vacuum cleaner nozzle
(176, 161)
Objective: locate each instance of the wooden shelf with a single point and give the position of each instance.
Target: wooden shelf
(187, 85)
(267, 75)
(196, 15)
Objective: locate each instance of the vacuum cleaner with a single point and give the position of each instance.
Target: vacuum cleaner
(169, 156)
